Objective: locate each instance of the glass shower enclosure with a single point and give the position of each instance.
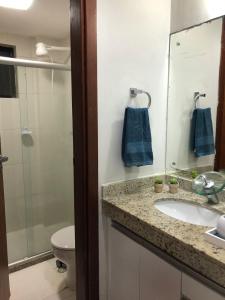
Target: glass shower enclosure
(36, 135)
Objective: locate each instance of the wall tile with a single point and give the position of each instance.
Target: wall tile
(12, 146)
(13, 181)
(18, 238)
(9, 113)
(15, 213)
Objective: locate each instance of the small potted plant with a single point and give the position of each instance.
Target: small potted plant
(173, 185)
(158, 185)
(194, 174)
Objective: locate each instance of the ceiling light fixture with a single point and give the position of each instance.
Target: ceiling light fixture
(214, 8)
(16, 4)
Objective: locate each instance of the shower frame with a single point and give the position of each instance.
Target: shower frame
(27, 63)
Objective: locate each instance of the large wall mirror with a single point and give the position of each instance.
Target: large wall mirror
(196, 99)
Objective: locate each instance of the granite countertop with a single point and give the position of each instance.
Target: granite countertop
(186, 242)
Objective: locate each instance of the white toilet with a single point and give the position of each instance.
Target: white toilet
(63, 244)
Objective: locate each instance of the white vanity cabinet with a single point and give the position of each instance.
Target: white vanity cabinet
(123, 267)
(135, 273)
(158, 279)
(194, 290)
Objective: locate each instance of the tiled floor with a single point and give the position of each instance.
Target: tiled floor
(40, 282)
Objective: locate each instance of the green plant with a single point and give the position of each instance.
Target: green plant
(194, 174)
(158, 180)
(173, 181)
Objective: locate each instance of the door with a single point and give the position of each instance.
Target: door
(158, 279)
(194, 290)
(4, 273)
(123, 267)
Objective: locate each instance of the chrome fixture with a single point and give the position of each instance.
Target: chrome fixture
(134, 92)
(197, 96)
(3, 159)
(209, 184)
(209, 187)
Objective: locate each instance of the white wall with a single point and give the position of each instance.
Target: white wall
(132, 52)
(192, 52)
(186, 13)
(133, 38)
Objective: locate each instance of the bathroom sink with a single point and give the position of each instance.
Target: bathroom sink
(188, 212)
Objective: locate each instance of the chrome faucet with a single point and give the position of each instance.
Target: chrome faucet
(209, 189)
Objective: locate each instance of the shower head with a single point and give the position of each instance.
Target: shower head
(43, 49)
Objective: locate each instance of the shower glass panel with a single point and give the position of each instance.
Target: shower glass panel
(11, 145)
(38, 179)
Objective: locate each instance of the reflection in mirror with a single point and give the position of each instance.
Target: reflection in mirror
(193, 99)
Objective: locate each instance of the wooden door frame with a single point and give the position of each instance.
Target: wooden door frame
(84, 104)
(85, 134)
(220, 123)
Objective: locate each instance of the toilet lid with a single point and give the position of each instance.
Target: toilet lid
(64, 238)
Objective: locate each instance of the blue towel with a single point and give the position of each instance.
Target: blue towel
(137, 141)
(202, 140)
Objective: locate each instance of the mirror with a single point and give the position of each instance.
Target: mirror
(193, 97)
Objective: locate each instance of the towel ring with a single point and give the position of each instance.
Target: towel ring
(197, 96)
(134, 92)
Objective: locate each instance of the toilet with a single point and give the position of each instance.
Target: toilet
(63, 244)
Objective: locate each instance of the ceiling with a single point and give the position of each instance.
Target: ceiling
(46, 18)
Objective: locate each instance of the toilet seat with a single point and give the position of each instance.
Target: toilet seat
(64, 238)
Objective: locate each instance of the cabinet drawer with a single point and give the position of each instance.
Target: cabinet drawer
(193, 290)
(123, 267)
(158, 279)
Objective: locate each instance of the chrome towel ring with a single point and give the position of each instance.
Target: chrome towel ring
(134, 92)
(197, 96)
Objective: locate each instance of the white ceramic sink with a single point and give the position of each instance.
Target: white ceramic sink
(188, 212)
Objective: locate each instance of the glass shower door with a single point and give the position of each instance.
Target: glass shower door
(48, 147)
(13, 171)
(38, 179)
(48, 158)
